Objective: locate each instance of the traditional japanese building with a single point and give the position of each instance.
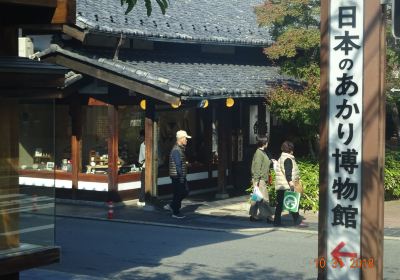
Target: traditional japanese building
(200, 68)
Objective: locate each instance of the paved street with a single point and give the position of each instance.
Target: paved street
(94, 250)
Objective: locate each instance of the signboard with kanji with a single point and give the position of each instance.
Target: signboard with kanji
(345, 114)
(352, 139)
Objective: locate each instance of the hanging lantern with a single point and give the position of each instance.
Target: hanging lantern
(143, 104)
(230, 102)
(176, 104)
(203, 104)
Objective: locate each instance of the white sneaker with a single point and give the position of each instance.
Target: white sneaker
(167, 207)
(178, 216)
(141, 204)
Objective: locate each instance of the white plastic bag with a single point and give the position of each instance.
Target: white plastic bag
(256, 195)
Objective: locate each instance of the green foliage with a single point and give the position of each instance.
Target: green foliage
(392, 175)
(294, 27)
(292, 40)
(309, 170)
(163, 4)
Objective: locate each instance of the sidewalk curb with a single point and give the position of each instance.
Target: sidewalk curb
(244, 230)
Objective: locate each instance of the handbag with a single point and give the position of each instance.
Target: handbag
(291, 201)
(298, 186)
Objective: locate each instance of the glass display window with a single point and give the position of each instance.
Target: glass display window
(131, 124)
(63, 132)
(95, 131)
(26, 201)
(36, 128)
(186, 119)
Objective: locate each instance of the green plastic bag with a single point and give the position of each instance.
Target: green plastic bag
(291, 201)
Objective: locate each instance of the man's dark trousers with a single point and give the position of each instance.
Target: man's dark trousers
(180, 193)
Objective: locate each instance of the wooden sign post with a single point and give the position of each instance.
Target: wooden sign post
(352, 140)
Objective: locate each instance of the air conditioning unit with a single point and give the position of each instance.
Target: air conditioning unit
(25, 47)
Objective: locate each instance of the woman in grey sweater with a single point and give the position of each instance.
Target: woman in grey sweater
(260, 167)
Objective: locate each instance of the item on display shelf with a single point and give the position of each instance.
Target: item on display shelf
(38, 152)
(23, 166)
(134, 168)
(92, 163)
(35, 166)
(50, 165)
(66, 165)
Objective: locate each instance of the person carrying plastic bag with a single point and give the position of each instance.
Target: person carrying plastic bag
(259, 203)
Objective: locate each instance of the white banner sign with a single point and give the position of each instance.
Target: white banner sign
(345, 138)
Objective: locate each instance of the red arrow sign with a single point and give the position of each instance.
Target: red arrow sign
(336, 254)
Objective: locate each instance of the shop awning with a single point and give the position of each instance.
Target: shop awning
(230, 22)
(167, 79)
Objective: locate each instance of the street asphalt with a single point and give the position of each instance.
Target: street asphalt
(206, 217)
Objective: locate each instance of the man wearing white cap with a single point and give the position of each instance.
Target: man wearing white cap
(178, 172)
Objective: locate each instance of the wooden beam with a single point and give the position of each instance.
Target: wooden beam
(149, 142)
(116, 79)
(39, 3)
(95, 102)
(65, 12)
(74, 32)
(113, 148)
(29, 259)
(32, 93)
(18, 12)
(29, 80)
(40, 29)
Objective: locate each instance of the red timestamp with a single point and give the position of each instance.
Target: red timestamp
(355, 263)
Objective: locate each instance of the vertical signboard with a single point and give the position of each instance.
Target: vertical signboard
(345, 114)
(254, 126)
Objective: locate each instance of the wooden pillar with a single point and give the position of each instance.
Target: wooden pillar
(373, 139)
(222, 150)
(76, 141)
(323, 142)
(9, 184)
(112, 151)
(206, 115)
(149, 145)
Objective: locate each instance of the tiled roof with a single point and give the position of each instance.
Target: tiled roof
(187, 80)
(25, 65)
(202, 21)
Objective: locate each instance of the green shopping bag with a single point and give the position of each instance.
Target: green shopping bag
(291, 201)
